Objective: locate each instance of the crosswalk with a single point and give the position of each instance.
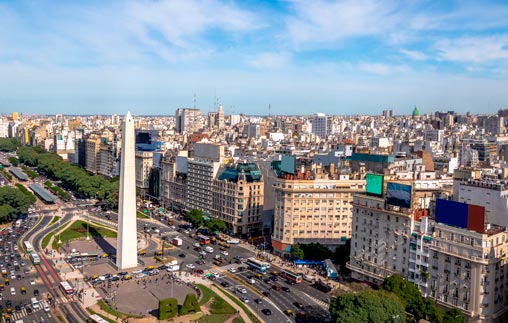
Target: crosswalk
(20, 314)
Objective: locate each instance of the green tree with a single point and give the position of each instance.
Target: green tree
(8, 144)
(316, 251)
(195, 217)
(454, 316)
(297, 252)
(341, 257)
(14, 161)
(369, 306)
(13, 202)
(215, 224)
(408, 293)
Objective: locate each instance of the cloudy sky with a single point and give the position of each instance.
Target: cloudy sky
(301, 57)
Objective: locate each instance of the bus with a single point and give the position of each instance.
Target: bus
(290, 276)
(255, 264)
(66, 288)
(28, 246)
(203, 240)
(96, 319)
(35, 258)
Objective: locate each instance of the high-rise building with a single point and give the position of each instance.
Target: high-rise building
(321, 125)
(144, 163)
(93, 145)
(187, 120)
(126, 250)
(220, 117)
(202, 169)
(237, 198)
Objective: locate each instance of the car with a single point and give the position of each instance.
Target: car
(242, 290)
(18, 277)
(276, 287)
(45, 307)
(225, 253)
(241, 268)
(288, 312)
(198, 249)
(122, 273)
(32, 282)
(266, 293)
(114, 278)
(190, 266)
(28, 309)
(182, 255)
(200, 262)
(23, 290)
(298, 305)
(200, 271)
(138, 271)
(15, 263)
(17, 308)
(8, 303)
(266, 311)
(286, 289)
(238, 258)
(258, 301)
(36, 292)
(244, 299)
(232, 270)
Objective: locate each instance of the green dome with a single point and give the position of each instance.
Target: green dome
(416, 113)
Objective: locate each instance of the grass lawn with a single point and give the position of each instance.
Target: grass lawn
(111, 311)
(78, 230)
(45, 240)
(220, 309)
(55, 219)
(253, 317)
(141, 215)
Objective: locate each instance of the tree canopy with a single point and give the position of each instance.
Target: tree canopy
(297, 252)
(8, 144)
(72, 177)
(368, 306)
(416, 304)
(13, 202)
(195, 217)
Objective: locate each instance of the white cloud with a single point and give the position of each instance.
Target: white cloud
(270, 60)
(474, 49)
(414, 55)
(382, 69)
(323, 21)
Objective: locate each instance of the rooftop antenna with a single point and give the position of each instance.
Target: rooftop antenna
(269, 110)
(194, 100)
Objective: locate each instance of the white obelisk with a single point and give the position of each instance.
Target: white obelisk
(126, 250)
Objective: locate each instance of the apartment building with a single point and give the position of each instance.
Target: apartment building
(379, 241)
(174, 181)
(314, 210)
(109, 158)
(144, 163)
(452, 255)
(202, 169)
(187, 120)
(92, 159)
(237, 198)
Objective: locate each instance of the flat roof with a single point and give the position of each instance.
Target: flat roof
(18, 173)
(42, 193)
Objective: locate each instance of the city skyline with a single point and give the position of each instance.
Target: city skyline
(340, 58)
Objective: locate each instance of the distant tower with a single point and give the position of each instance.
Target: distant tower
(126, 250)
(220, 117)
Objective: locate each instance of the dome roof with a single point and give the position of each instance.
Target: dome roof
(416, 112)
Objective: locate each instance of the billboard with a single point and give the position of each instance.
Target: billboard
(288, 164)
(374, 184)
(398, 195)
(451, 213)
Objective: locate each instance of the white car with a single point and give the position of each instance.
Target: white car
(190, 266)
(241, 290)
(225, 253)
(32, 282)
(244, 299)
(138, 271)
(46, 307)
(156, 230)
(232, 270)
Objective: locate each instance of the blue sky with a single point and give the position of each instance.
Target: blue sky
(302, 57)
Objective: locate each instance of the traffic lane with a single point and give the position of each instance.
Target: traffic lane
(285, 300)
(306, 286)
(277, 314)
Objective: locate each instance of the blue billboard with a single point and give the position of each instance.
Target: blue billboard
(398, 195)
(452, 213)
